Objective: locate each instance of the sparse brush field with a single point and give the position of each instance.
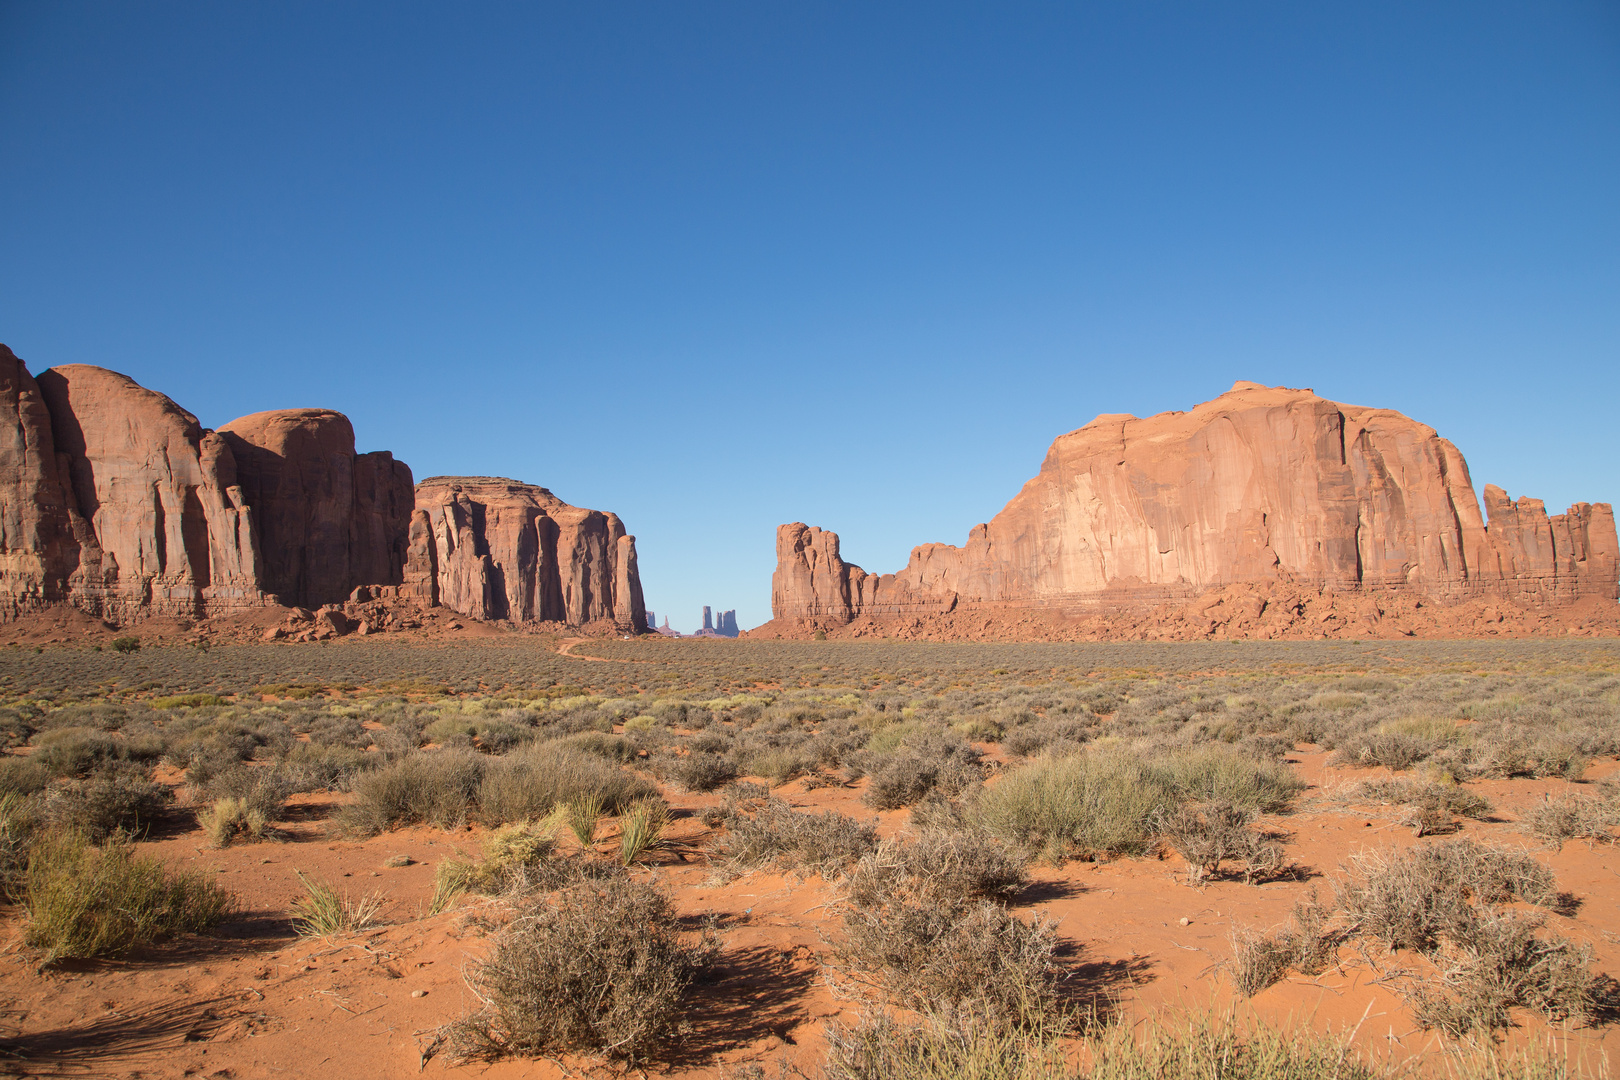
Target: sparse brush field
(850, 860)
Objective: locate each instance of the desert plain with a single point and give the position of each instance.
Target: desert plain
(841, 858)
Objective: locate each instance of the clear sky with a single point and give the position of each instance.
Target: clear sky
(716, 267)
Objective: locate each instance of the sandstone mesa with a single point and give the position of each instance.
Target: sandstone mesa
(116, 501)
(1266, 512)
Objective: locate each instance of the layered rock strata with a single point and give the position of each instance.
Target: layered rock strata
(116, 500)
(1261, 485)
(498, 549)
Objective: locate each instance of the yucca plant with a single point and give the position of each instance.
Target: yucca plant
(326, 912)
(641, 829)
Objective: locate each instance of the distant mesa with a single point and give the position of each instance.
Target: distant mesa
(115, 500)
(1265, 512)
(722, 626)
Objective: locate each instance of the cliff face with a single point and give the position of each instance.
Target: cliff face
(494, 548)
(1260, 485)
(156, 520)
(329, 519)
(115, 499)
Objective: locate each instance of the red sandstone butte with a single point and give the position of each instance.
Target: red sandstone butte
(117, 501)
(499, 549)
(1265, 486)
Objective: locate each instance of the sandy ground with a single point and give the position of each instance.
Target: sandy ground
(257, 1001)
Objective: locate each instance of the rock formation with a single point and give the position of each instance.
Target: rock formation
(494, 548)
(329, 519)
(1261, 485)
(116, 500)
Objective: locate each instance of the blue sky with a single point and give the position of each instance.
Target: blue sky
(721, 266)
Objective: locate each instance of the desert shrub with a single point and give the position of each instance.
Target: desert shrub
(340, 731)
(951, 956)
(1093, 802)
(1398, 744)
(529, 782)
(261, 790)
(1439, 798)
(824, 843)
(126, 644)
(1209, 834)
(307, 767)
(22, 776)
(615, 748)
(1570, 817)
(1498, 960)
(592, 970)
(1048, 734)
(433, 787)
(1220, 774)
(187, 701)
(701, 772)
(905, 778)
(117, 798)
(229, 819)
(77, 751)
(86, 902)
(941, 865)
(1408, 900)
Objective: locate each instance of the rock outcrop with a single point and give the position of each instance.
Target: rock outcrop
(1261, 485)
(329, 519)
(494, 548)
(156, 520)
(116, 500)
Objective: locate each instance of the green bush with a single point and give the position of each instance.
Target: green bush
(1095, 802)
(87, 902)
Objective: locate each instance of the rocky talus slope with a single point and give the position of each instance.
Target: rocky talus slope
(1331, 517)
(116, 501)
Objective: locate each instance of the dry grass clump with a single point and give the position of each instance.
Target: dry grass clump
(517, 858)
(1308, 947)
(776, 834)
(1092, 802)
(588, 970)
(1408, 900)
(529, 782)
(325, 912)
(83, 901)
(1571, 817)
(19, 822)
(1445, 901)
(1497, 961)
(447, 787)
(1210, 834)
